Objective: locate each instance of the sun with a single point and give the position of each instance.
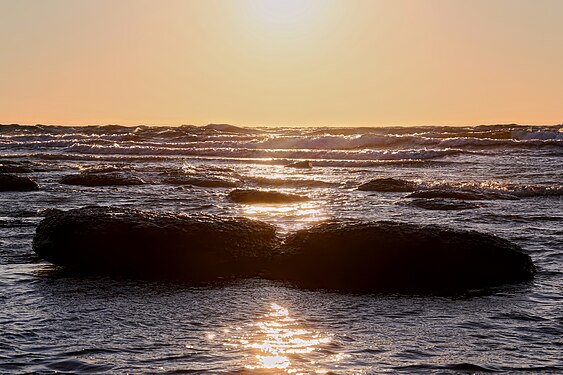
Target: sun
(283, 15)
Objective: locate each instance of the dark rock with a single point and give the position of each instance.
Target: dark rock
(15, 168)
(128, 242)
(101, 179)
(250, 196)
(442, 204)
(461, 194)
(300, 164)
(10, 182)
(228, 128)
(106, 168)
(398, 257)
(388, 185)
(201, 182)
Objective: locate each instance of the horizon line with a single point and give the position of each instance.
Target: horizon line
(280, 126)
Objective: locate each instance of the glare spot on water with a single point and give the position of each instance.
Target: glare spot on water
(276, 340)
(288, 216)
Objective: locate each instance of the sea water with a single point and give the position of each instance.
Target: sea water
(50, 323)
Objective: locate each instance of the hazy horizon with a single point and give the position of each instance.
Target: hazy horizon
(281, 63)
(283, 126)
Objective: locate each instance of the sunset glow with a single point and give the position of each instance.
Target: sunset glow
(281, 62)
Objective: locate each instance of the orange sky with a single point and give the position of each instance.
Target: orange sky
(286, 62)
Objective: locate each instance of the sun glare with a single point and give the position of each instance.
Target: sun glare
(284, 16)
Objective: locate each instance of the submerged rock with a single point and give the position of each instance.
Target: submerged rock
(101, 179)
(461, 194)
(300, 164)
(15, 168)
(201, 182)
(388, 185)
(398, 257)
(442, 204)
(129, 242)
(9, 182)
(250, 196)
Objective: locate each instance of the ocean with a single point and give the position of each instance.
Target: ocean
(505, 180)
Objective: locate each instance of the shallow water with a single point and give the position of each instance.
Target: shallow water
(53, 323)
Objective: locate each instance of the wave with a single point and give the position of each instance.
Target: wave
(284, 138)
(273, 153)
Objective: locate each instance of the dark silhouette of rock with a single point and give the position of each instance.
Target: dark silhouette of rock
(9, 182)
(461, 194)
(106, 168)
(15, 168)
(398, 257)
(101, 179)
(128, 242)
(381, 257)
(300, 164)
(201, 182)
(442, 204)
(228, 128)
(388, 185)
(250, 196)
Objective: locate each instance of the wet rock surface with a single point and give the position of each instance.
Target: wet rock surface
(356, 256)
(442, 204)
(252, 196)
(461, 194)
(10, 182)
(398, 258)
(388, 185)
(101, 179)
(152, 245)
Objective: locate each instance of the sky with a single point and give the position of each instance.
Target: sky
(281, 62)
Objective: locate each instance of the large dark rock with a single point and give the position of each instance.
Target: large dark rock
(251, 196)
(388, 185)
(398, 257)
(128, 242)
(381, 257)
(101, 179)
(9, 182)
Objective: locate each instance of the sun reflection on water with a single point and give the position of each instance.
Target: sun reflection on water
(276, 341)
(292, 216)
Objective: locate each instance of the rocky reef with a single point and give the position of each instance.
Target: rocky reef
(357, 256)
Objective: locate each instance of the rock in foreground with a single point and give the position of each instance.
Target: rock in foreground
(128, 242)
(10, 182)
(375, 257)
(398, 257)
(251, 196)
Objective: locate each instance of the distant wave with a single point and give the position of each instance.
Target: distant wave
(272, 153)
